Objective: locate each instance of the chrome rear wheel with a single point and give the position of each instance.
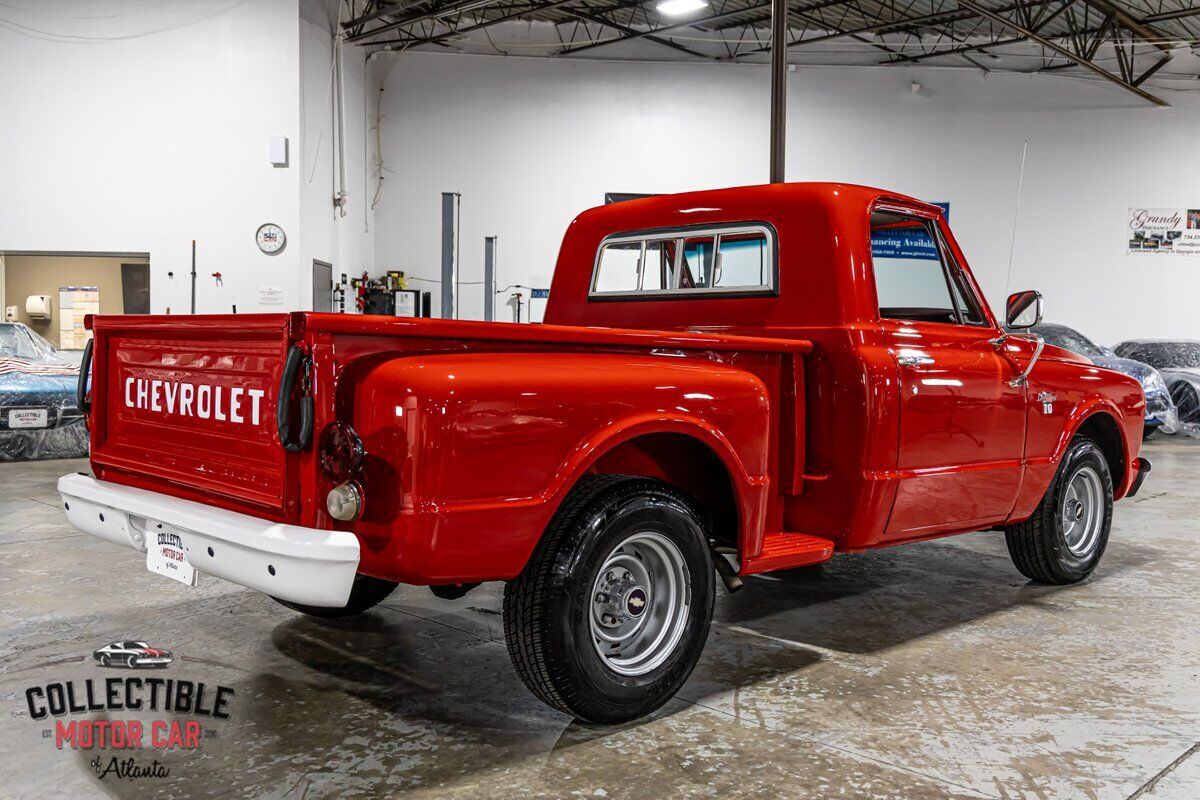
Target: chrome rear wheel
(641, 601)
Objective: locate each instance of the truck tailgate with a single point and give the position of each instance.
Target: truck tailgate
(186, 405)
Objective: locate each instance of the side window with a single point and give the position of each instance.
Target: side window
(618, 267)
(910, 280)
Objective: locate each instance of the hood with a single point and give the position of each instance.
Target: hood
(1052, 352)
(16, 387)
(1128, 366)
(155, 651)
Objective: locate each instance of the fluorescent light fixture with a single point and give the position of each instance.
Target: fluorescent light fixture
(676, 8)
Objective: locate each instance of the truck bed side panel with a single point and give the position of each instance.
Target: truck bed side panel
(494, 441)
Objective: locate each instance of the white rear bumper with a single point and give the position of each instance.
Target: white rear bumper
(303, 565)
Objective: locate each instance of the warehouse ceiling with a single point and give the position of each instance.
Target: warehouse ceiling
(1147, 47)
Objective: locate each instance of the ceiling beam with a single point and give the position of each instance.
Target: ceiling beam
(976, 48)
(1169, 15)
(445, 11)
(372, 15)
(923, 20)
(631, 33)
(1137, 27)
(530, 7)
(1062, 51)
(664, 29)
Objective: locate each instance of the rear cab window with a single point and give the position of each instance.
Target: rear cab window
(729, 259)
(916, 276)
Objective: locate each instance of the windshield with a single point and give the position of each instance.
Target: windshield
(1162, 355)
(1069, 339)
(17, 341)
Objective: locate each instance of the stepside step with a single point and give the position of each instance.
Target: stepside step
(787, 550)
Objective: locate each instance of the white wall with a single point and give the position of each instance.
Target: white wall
(343, 241)
(530, 143)
(144, 127)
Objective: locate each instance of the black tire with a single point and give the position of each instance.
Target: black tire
(129, 662)
(1039, 546)
(365, 593)
(1187, 401)
(105, 661)
(548, 608)
(1148, 431)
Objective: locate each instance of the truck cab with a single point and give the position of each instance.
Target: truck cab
(728, 382)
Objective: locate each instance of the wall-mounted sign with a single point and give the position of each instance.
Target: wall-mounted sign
(270, 296)
(1164, 231)
(75, 303)
(270, 238)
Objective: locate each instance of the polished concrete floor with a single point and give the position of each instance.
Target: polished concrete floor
(933, 670)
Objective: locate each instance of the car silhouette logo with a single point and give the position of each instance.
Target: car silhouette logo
(132, 654)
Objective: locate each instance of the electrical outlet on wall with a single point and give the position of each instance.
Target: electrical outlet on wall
(10, 313)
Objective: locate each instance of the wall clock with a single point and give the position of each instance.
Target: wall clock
(271, 238)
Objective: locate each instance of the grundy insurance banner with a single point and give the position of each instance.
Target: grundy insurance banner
(1164, 231)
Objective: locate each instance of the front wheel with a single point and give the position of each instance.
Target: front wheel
(1063, 540)
(611, 613)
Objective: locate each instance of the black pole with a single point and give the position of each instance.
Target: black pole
(779, 28)
(193, 276)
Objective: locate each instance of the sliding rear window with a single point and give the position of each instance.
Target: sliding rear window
(735, 259)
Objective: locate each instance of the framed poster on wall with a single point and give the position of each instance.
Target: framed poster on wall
(75, 303)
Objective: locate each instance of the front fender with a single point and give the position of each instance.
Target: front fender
(1074, 393)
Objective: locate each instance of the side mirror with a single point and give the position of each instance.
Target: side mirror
(1024, 309)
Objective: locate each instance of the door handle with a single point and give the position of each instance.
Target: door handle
(913, 359)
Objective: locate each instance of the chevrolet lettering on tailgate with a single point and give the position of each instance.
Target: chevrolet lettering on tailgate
(203, 400)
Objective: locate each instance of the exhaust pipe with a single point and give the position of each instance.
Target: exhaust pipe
(728, 574)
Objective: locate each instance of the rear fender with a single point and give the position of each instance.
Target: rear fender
(489, 444)
(750, 489)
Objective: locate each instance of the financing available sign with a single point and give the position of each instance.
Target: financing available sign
(1164, 231)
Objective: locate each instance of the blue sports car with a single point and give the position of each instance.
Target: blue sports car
(39, 417)
(1161, 412)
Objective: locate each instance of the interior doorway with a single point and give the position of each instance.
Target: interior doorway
(322, 282)
(52, 292)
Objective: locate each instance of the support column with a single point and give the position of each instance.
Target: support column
(489, 278)
(449, 252)
(779, 43)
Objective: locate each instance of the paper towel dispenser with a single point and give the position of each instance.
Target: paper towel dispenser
(38, 306)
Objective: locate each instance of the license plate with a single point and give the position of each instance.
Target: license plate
(165, 555)
(27, 418)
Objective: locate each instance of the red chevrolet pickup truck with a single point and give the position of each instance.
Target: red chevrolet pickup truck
(729, 382)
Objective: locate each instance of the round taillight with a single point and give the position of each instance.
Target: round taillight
(345, 502)
(340, 451)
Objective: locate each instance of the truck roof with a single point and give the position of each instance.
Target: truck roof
(770, 198)
(822, 231)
